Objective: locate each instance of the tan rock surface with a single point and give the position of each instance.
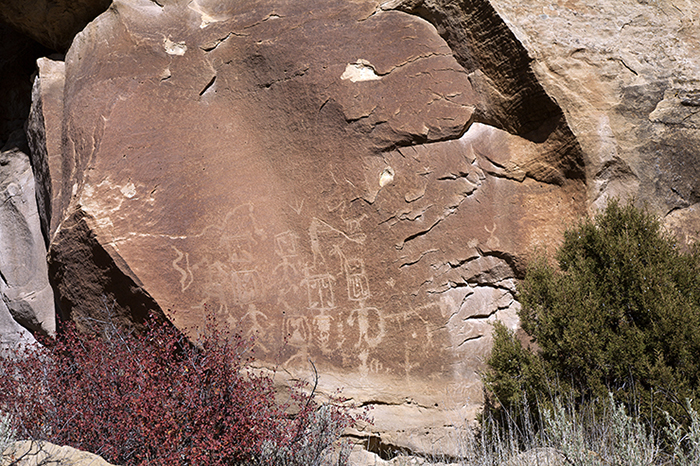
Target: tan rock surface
(314, 176)
(627, 75)
(26, 297)
(38, 453)
(44, 132)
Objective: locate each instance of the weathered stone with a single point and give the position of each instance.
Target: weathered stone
(359, 183)
(24, 285)
(12, 335)
(52, 23)
(44, 132)
(510, 97)
(38, 453)
(627, 74)
(315, 177)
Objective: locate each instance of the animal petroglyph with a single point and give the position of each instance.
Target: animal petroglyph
(492, 242)
(227, 274)
(187, 277)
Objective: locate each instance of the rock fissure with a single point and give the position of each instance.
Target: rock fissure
(271, 15)
(213, 45)
(412, 61)
(415, 261)
(469, 340)
(622, 62)
(208, 86)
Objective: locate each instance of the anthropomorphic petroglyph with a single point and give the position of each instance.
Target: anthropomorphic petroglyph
(287, 273)
(187, 278)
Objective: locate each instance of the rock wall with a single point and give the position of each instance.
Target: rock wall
(326, 179)
(52, 23)
(26, 302)
(356, 183)
(627, 75)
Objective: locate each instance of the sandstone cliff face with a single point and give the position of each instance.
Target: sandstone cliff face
(327, 179)
(357, 183)
(26, 298)
(627, 75)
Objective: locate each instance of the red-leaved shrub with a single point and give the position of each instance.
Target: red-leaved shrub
(155, 398)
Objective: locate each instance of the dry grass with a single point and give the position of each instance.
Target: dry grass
(6, 433)
(575, 436)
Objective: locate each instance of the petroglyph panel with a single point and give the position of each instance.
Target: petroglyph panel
(368, 225)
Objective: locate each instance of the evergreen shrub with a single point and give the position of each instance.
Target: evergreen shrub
(620, 314)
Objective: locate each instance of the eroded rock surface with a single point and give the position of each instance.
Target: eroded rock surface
(356, 183)
(627, 75)
(44, 133)
(325, 178)
(27, 298)
(38, 453)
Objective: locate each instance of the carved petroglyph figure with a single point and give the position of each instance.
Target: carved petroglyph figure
(358, 285)
(187, 276)
(298, 206)
(324, 303)
(332, 264)
(246, 286)
(319, 291)
(297, 331)
(254, 327)
(322, 327)
(225, 274)
(492, 242)
(358, 291)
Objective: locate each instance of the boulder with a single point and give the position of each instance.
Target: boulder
(325, 178)
(27, 296)
(627, 75)
(37, 453)
(356, 183)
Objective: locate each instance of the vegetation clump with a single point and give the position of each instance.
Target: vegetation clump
(157, 399)
(619, 314)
